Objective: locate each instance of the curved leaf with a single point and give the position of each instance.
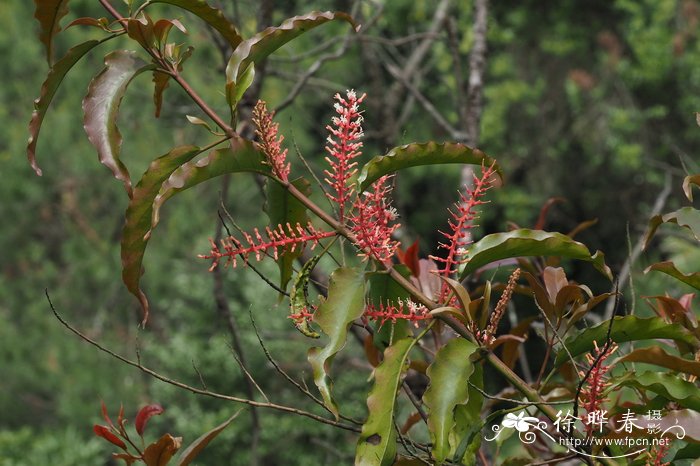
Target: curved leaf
(265, 42)
(212, 16)
(48, 89)
(344, 304)
(417, 154)
(196, 447)
(524, 242)
(685, 217)
(670, 386)
(657, 356)
(377, 445)
(298, 297)
(669, 268)
(101, 108)
(144, 415)
(159, 453)
(625, 328)
(241, 156)
(49, 14)
(137, 224)
(687, 189)
(449, 376)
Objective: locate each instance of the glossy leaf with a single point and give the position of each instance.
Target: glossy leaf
(49, 14)
(48, 90)
(212, 16)
(344, 304)
(659, 357)
(524, 242)
(196, 447)
(669, 386)
(417, 154)
(689, 452)
(162, 451)
(282, 208)
(137, 224)
(687, 188)
(685, 216)
(625, 328)
(101, 108)
(449, 376)
(460, 292)
(669, 268)
(298, 297)
(144, 415)
(466, 435)
(107, 434)
(377, 445)
(241, 156)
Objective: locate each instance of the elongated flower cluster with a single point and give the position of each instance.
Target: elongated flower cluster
(267, 130)
(405, 310)
(592, 394)
(655, 457)
(488, 335)
(278, 241)
(371, 222)
(343, 146)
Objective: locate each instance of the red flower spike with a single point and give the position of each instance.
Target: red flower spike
(592, 394)
(343, 146)
(144, 415)
(406, 310)
(271, 144)
(305, 314)
(107, 434)
(371, 222)
(657, 453)
(278, 241)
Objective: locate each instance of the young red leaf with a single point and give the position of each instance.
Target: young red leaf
(105, 415)
(145, 414)
(105, 433)
(49, 14)
(160, 453)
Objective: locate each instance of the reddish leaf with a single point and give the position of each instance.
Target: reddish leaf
(212, 16)
(49, 14)
(144, 415)
(105, 433)
(161, 81)
(127, 457)
(198, 445)
(162, 28)
(410, 258)
(542, 219)
(160, 452)
(105, 415)
(141, 30)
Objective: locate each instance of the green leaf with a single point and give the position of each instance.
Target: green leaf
(101, 108)
(417, 154)
(196, 447)
(236, 89)
(298, 300)
(658, 356)
(689, 452)
(685, 217)
(49, 14)
(48, 89)
(262, 44)
(524, 242)
(669, 386)
(625, 328)
(449, 376)
(282, 208)
(212, 16)
(344, 304)
(687, 189)
(377, 445)
(468, 422)
(241, 156)
(137, 225)
(669, 268)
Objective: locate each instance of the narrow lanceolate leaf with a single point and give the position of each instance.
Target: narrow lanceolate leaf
(101, 108)
(344, 304)
(212, 16)
(161, 452)
(144, 415)
(686, 217)
(524, 242)
(49, 14)
(48, 90)
(687, 188)
(449, 386)
(283, 208)
(659, 357)
(196, 447)
(669, 268)
(377, 443)
(625, 328)
(241, 156)
(670, 386)
(417, 154)
(160, 83)
(137, 224)
(298, 297)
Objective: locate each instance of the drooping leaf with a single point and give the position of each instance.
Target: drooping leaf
(160, 82)
(196, 447)
(449, 376)
(262, 44)
(344, 304)
(417, 154)
(241, 156)
(161, 452)
(685, 216)
(48, 90)
(101, 108)
(524, 242)
(377, 445)
(465, 435)
(625, 328)
(687, 182)
(137, 224)
(144, 415)
(669, 386)
(282, 208)
(669, 268)
(298, 300)
(212, 16)
(658, 356)
(49, 14)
